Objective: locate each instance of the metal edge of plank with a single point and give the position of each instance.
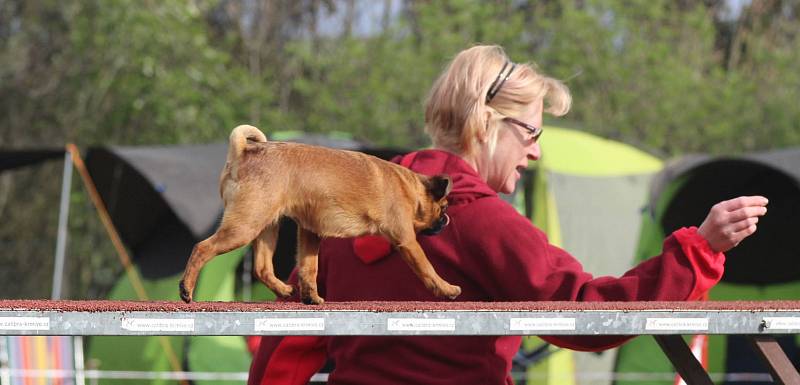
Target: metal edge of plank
(445, 322)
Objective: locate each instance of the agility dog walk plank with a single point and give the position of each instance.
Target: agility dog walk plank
(33, 317)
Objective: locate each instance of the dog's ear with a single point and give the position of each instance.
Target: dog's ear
(439, 186)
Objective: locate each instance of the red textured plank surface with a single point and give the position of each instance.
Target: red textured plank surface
(177, 306)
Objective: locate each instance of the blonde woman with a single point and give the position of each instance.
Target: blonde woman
(484, 115)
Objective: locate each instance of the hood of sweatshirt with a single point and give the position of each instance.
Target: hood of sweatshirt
(467, 186)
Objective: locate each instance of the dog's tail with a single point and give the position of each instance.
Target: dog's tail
(238, 141)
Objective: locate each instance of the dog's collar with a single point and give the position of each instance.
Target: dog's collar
(438, 226)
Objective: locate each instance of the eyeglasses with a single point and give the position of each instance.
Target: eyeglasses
(533, 131)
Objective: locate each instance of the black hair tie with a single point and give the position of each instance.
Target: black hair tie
(499, 81)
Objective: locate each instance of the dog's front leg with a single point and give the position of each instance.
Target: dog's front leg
(415, 258)
(224, 240)
(307, 262)
(201, 254)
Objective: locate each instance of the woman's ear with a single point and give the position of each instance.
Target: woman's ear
(483, 133)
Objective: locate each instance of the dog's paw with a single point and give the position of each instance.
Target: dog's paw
(186, 296)
(283, 290)
(313, 300)
(450, 292)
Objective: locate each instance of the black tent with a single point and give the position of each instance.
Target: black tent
(696, 183)
(14, 158)
(762, 267)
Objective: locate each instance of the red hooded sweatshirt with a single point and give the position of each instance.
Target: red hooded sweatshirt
(494, 254)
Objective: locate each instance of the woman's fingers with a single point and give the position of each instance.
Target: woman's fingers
(744, 233)
(729, 222)
(746, 212)
(741, 202)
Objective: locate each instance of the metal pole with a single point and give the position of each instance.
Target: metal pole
(80, 369)
(63, 215)
(58, 268)
(5, 376)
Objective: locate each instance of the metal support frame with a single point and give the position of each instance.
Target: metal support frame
(781, 368)
(686, 364)
(683, 360)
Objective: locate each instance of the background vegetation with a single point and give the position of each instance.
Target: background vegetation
(669, 76)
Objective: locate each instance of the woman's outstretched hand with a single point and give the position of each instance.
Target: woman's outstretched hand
(731, 221)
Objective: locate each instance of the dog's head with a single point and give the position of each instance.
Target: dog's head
(432, 212)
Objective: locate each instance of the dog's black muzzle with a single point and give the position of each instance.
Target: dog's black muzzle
(438, 226)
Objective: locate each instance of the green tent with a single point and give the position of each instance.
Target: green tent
(587, 194)
(762, 267)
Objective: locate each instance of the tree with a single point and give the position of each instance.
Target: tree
(670, 77)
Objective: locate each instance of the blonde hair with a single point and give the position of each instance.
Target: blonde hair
(456, 111)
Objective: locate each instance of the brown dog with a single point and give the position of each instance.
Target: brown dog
(329, 193)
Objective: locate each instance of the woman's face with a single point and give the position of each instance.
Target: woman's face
(515, 147)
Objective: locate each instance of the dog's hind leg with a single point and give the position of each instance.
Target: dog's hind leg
(307, 265)
(263, 251)
(412, 253)
(228, 237)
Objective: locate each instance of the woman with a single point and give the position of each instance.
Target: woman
(484, 115)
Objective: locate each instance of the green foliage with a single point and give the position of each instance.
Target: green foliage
(653, 74)
(656, 77)
(669, 77)
(123, 71)
(153, 72)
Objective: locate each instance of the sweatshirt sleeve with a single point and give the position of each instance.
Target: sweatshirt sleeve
(519, 264)
(289, 360)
